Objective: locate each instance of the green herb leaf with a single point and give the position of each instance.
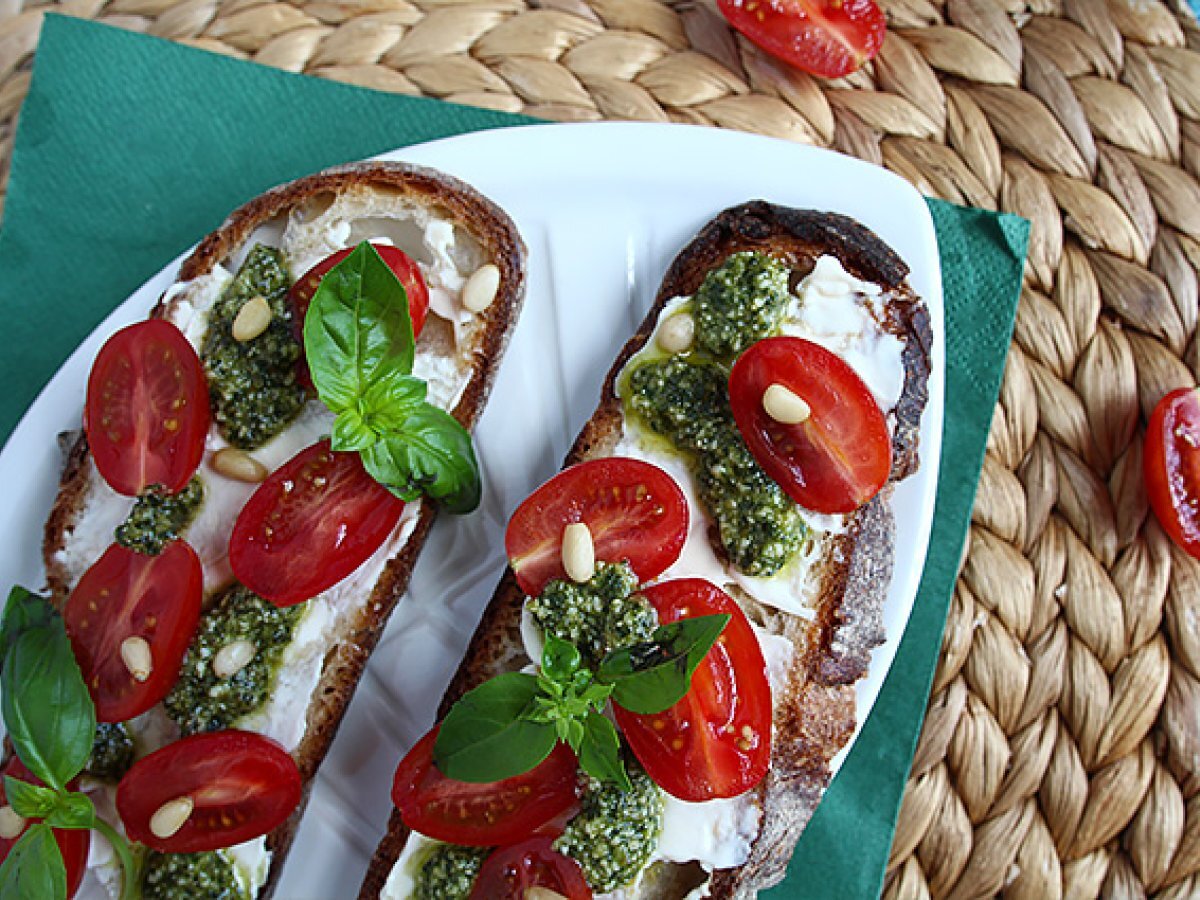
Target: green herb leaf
(600, 751)
(560, 659)
(428, 453)
(486, 736)
(22, 611)
(30, 801)
(50, 717)
(34, 866)
(650, 677)
(72, 810)
(351, 432)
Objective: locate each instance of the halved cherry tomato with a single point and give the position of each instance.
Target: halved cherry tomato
(824, 37)
(240, 784)
(511, 871)
(716, 741)
(147, 414)
(316, 519)
(482, 815)
(634, 510)
(838, 458)
(1171, 462)
(73, 843)
(127, 595)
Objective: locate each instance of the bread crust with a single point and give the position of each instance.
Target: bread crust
(358, 631)
(815, 714)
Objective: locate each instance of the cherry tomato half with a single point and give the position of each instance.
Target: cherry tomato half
(841, 455)
(482, 815)
(824, 37)
(511, 871)
(73, 843)
(316, 519)
(1171, 462)
(130, 595)
(634, 510)
(716, 741)
(240, 785)
(146, 414)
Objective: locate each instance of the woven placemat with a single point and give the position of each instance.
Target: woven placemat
(1061, 754)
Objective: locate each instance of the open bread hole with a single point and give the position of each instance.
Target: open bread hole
(404, 233)
(314, 207)
(269, 232)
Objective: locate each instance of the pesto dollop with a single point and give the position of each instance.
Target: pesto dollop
(157, 518)
(112, 752)
(597, 616)
(252, 384)
(200, 700)
(687, 401)
(740, 302)
(448, 872)
(616, 831)
(190, 876)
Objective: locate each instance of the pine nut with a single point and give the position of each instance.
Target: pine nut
(578, 552)
(252, 319)
(233, 657)
(239, 465)
(170, 817)
(537, 892)
(677, 333)
(11, 824)
(784, 406)
(480, 289)
(135, 653)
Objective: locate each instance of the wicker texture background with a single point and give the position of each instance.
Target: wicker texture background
(1061, 755)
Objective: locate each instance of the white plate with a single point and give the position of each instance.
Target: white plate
(603, 209)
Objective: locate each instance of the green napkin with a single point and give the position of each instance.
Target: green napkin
(120, 168)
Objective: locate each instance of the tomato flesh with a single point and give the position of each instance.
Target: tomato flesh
(146, 413)
(241, 785)
(315, 520)
(127, 594)
(483, 815)
(511, 871)
(73, 843)
(841, 455)
(634, 510)
(1171, 464)
(716, 741)
(825, 37)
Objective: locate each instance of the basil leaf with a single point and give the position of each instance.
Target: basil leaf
(651, 677)
(428, 453)
(30, 801)
(73, 810)
(34, 866)
(486, 738)
(389, 401)
(49, 715)
(22, 611)
(560, 659)
(600, 751)
(350, 432)
(357, 329)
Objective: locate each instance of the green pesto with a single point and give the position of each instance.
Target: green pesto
(252, 384)
(200, 701)
(190, 876)
(598, 616)
(448, 872)
(112, 752)
(616, 831)
(157, 518)
(740, 302)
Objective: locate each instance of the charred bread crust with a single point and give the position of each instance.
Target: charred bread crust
(359, 630)
(815, 716)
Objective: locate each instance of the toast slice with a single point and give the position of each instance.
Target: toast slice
(814, 702)
(451, 230)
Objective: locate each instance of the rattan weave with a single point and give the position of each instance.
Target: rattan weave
(1061, 755)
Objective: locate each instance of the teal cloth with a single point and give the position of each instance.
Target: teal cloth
(119, 168)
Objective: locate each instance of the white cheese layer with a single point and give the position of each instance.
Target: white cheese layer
(402, 881)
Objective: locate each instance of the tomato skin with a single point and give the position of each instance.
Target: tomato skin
(634, 510)
(242, 785)
(841, 456)
(126, 594)
(483, 815)
(146, 414)
(73, 843)
(316, 519)
(825, 37)
(715, 756)
(1171, 465)
(510, 871)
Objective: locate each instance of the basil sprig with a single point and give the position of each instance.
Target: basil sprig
(358, 338)
(510, 724)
